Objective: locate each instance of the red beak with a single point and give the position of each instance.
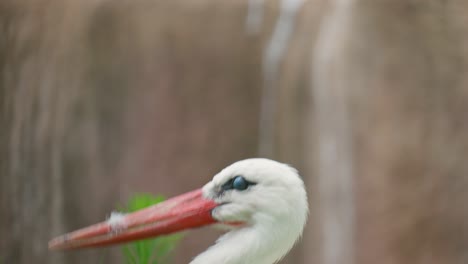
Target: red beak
(189, 210)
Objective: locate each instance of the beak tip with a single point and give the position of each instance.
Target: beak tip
(57, 243)
(52, 245)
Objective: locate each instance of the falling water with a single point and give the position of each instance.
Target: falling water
(334, 141)
(272, 58)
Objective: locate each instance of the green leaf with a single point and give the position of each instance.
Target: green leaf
(148, 251)
(129, 256)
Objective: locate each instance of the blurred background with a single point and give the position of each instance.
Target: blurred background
(102, 99)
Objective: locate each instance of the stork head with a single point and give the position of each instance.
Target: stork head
(262, 202)
(258, 191)
(269, 201)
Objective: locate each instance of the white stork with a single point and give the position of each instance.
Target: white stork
(262, 202)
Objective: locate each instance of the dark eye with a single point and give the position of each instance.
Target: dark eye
(237, 183)
(240, 183)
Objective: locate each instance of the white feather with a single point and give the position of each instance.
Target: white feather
(117, 221)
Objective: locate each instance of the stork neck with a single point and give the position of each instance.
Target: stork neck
(242, 246)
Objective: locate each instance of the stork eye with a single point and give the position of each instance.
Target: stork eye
(240, 183)
(237, 183)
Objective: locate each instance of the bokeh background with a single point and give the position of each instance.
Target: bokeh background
(102, 99)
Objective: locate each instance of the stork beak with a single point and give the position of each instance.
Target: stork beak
(189, 210)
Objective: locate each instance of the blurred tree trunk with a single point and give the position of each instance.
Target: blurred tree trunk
(391, 90)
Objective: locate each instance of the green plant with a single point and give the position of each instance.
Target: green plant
(148, 251)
